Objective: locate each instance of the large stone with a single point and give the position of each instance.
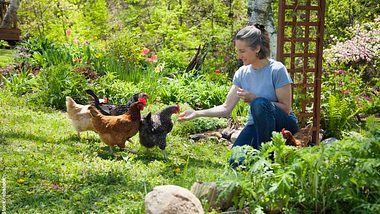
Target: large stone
(219, 196)
(171, 199)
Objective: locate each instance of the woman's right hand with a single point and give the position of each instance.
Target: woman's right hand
(187, 115)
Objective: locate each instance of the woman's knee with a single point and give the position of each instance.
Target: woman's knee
(260, 105)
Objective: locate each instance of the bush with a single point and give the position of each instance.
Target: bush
(57, 82)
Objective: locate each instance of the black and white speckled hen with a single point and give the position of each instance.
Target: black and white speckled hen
(155, 127)
(115, 109)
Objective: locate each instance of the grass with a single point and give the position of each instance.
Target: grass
(47, 169)
(6, 57)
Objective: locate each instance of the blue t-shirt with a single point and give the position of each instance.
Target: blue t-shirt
(262, 82)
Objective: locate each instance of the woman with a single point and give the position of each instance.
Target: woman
(262, 83)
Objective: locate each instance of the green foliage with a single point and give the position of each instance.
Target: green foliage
(192, 89)
(19, 83)
(3, 44)
(337, 116)
(341, 177)
(86, 20)
(57, 82)
(341, 14)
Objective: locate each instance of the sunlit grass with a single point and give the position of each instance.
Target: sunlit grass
(6, 57)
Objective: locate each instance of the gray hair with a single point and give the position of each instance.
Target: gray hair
(255, 35)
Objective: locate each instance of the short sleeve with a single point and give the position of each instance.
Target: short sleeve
(281, 77)
(237, 78)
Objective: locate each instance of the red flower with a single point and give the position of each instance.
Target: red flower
(68, 32)
(151, 59)
(217, 71)
(145, 51)
(154, 58)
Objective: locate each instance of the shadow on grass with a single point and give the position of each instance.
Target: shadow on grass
(146, 158)
(32, 137)
(93, 193)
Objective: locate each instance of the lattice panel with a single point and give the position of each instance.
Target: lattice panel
(299, 47)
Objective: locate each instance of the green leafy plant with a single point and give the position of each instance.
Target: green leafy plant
(337, 116)
(3, 44)
(19, 83)
(57, 82)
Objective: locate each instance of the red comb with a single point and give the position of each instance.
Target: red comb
(142, 100)
(283, 131)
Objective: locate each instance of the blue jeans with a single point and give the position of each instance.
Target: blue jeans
(267, 117)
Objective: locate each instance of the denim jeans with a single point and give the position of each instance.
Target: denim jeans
(267, 117)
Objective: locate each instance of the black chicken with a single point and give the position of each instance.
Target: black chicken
(155, 127)
(115, 109)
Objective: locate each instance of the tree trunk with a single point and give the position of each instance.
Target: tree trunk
(260, 11)
(10, 15)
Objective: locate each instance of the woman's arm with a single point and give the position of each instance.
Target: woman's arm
(284, 96)
(223, 110)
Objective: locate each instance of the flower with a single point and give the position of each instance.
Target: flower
(68, 32)
(151, 59)
(159, 68)
(145, 51)
(367, 98)
(75, 41)
(217, 71)
(154, 58)
(177, 170)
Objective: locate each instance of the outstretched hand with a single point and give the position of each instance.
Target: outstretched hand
(246, 96)
(186, 115)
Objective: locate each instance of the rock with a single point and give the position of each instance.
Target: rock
(219, 196)
(171, 199)
(328, 141)
(235, 135)
(197, 137)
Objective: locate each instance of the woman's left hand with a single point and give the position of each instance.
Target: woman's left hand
(246, 96)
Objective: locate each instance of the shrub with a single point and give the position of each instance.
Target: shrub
(57, 82)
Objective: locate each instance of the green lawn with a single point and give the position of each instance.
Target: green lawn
(6, 57)
(48, 170)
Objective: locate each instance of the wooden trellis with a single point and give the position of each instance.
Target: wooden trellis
(299, 47)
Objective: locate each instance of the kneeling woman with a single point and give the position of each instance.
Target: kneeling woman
(264, 84)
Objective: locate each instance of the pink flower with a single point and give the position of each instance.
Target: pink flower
(154, 58)
(68, 32)
(376, 92)
(75, 41)
(367, 98)
(145, 51)
(151, 59)
(217, 71)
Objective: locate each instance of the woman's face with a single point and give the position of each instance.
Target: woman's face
(245, 53)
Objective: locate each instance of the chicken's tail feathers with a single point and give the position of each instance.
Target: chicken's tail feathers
(93, 95)
(70, 102)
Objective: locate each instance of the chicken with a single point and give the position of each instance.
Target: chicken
(155, 127)
(115, 130)
(112, 109)
(79, 115)
(299, 139)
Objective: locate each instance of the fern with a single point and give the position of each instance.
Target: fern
(337, 116)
